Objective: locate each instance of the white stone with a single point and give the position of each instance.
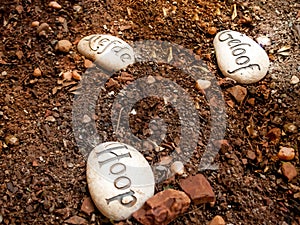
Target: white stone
(119, 178)
(177, 168)
(263, 40)
(240, 58)
(202, 84)
(109, 52)
(294, 80)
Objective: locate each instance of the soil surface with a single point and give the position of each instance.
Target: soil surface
(42, 165)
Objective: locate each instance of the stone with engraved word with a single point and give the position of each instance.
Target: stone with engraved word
(240, 58)
(119, 178)
(109, 52)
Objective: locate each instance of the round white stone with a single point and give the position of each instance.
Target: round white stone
(240, 58)
(119, 178)
(109, 52)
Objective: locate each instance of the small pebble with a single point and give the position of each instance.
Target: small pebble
(67, 75)
(11, 140)
(35, 24)
(212, 30)
(19, 54)
(88, 63)
(77, 8)
(294, 80)
(177, 168)
(165, 160)
(263, 40)
(86, 119)
(238, 92)
(88, 206)
(43, 27)
(202, 84)
(63, 46)
(290, 128)
(217, 220)
(4, 73)
(76, 75)
(19, 9)
(50, 119)
(37, 72)
(286, 153)
(150, 79)
(54, 5)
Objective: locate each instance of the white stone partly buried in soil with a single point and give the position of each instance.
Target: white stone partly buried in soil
(109, 52)
(119, 178)
(240, 58)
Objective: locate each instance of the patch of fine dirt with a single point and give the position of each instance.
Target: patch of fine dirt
(42, 170)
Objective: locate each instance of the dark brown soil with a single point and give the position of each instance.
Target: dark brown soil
(42, 174)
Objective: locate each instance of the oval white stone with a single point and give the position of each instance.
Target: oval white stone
(119, 178)
(240, 58)
(109, 52)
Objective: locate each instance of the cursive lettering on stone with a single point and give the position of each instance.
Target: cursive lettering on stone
(121, 197)
(245, 67)
(110, 151)
(121, 182)
(118, 50)
(228, 37)
(124, 57)
(242, 59)
(95, 42)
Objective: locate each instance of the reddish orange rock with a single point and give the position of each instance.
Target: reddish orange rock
(286, 153)
(163, 207)
(289, 171)
(88, 64)
(212, 30)
(238, 92)
(198, 189)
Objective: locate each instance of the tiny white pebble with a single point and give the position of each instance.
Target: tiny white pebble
(177, 168)
(294, 80)
(263, 40)
(202, 84)
(133, 112)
